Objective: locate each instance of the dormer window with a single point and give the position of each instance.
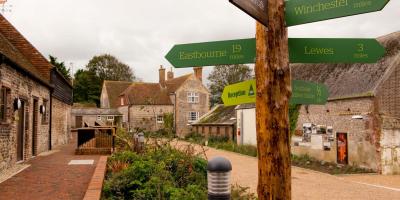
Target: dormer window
(193, 97)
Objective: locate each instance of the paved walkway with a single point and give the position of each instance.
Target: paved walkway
(310, 185)
(50, 177)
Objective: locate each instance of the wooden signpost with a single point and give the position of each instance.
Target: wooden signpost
(301, 50)
(255, 8)
(306, 11)
(270, 51)
(303, 92)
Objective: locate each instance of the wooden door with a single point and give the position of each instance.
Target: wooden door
(342, 148)
(34, 127)
(78, 122)
(21, 132)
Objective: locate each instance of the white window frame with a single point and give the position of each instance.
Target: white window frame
(158, 119)
(110, 118)
(194, 114)
(193, 97)
(98, 118)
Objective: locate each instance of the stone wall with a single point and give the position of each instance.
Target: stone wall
(144, 117)
(390, 146)
(362, 135)
(183, 107)
(25, 88)
(61, 123)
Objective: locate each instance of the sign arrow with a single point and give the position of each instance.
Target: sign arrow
(301, 50)
(307, 11)
(303, 92)
(255, 8)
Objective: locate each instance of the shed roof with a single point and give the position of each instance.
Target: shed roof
(351, 80)
(94, 111)
(220, 114)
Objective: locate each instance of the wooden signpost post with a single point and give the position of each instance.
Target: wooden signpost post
(272, 51)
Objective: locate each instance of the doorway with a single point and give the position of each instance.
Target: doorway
(34, 126)
(342, 148)
(20, 132)
(78, 122)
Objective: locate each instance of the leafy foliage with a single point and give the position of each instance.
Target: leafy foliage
(161, 173)
(87, 87)
(60, 67)
(293, 117)
(224, 75)
(88, 81)
(107, 67)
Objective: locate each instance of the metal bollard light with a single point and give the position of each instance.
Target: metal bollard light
(141, 141)
(219, 179)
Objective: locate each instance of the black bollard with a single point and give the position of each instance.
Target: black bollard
(219, 179)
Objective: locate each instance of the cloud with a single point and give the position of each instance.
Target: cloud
(140, 33)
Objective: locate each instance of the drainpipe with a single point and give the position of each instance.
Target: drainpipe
(174, 93)
(51, 117)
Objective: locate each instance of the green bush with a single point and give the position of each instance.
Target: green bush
(163, 173)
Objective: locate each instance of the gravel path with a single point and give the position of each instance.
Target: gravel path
(310, 185)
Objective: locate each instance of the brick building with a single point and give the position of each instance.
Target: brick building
(144, 104)
(360, 124)
(33, 95)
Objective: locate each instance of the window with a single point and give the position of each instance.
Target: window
(160, 119)
(110, 118)
(193, 97)
(193, 116)
(98, 118)
(122, 101)
(3, 104)
(45, 114)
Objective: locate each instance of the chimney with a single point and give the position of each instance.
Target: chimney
(162, 76)
(198, 72)
(170, 75)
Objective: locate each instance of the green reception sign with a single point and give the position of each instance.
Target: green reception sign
(303, 92)
(301, 50)
(213, 53)
(306, 11)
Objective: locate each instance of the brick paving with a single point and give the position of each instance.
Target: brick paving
(50, 177)
(311, 185)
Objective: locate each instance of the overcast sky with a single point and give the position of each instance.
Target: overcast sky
(140, 33)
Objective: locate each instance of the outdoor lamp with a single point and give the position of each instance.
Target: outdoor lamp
(42, 109)
(141, 138)
(218, 175)
(17, 103)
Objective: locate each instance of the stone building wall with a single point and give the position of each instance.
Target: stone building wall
(23, 87)
(183, 107)
(390, 146)
(362, 137)
(214, 130)
(144, 117)
(61, 123)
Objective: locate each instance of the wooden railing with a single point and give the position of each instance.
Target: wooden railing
(95, 140)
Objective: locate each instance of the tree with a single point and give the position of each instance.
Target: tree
(107, 67)
(87, 87)
(224, 75)
(60, 67)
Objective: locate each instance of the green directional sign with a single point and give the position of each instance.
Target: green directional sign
(301, 50)
(239, 93)
(306, 11)
(303, 92)
(334, 50)
(212, 53)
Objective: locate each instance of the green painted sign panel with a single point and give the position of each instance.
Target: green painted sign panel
(301, 50)
(334, 50)
(212, 53)
(303, 92)
(239, 93)
(306, 11)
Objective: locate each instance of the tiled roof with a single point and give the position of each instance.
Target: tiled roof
(26, 49)
(147, 94)
(351, 80)
(114, 89)
(175, 83)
